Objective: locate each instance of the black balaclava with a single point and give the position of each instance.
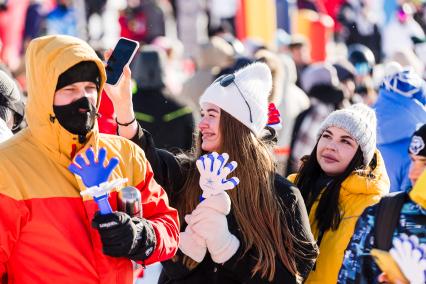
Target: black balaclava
(70, 116)
(76, 122)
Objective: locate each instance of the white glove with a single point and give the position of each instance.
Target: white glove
(213, 170)
(411, 258)
(212, 226)
(192, 245)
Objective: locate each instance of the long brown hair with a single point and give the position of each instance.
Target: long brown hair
(257, 210)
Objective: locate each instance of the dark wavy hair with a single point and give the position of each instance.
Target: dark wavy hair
(327, 215)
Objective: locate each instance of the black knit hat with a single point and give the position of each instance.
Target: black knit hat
(85, 71)
(418, 140)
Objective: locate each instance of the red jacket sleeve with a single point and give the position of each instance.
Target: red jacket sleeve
(164, 219)
(14, 216)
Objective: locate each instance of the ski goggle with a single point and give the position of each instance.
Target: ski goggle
(228, 79)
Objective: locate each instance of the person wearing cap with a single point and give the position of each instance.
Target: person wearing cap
(343, 175)
(400, 108)
(358, 263)
(266, 236)
(44, 221)
(11, 106)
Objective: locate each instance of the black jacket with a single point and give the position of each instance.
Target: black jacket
(170, 123)
(171, 173)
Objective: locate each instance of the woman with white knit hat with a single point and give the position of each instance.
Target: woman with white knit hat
(264, 237)
(343, 175)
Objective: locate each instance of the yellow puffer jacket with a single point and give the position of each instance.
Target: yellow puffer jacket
(418, 193)
(357, 193)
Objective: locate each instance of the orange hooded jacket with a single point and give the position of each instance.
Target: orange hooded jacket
(45, 225)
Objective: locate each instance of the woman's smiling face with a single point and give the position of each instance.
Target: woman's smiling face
(209, 127)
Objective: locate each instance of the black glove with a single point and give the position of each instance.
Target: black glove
(123, 236)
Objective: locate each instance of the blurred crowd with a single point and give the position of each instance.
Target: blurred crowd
(187, 44)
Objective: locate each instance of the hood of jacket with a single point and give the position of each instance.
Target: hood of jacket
(357, 183)
(397, 116)
(46, 59)
(418, 193)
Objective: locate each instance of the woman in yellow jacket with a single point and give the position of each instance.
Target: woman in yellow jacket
(344, 174)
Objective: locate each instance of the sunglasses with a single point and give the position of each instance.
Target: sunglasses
(228, 79)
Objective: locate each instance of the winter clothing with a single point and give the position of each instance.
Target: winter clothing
(194, 246)
(106, 117)
(397, 118)
(249, 86)
(319, 74)
(170, 123)
(356, 193)
(44, 219)
(291, 103)
(358, 265)
(171, 172)
(212, 226)
(360, 122)
(417, 145)
(85, 71)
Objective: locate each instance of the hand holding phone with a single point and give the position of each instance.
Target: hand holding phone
(122, 54)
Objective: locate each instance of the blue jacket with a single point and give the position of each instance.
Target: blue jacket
(397, 119)
(358, 265)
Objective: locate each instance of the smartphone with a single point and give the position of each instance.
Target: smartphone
(122, 54)
(388, 265)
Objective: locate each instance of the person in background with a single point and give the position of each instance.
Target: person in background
(342, 176)
(407, 29)
(211, 58)
(44, 220)
(358, 265)
(299, 50)
(346, 74)
(360, 26)
(170, 123)
(400, 108)
(266, 237)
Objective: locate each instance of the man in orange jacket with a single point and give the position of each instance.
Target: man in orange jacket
(46, 233)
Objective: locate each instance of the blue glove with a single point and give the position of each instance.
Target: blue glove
(94, 173)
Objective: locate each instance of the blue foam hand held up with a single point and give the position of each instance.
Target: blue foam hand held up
(214, 170)
(94, 173)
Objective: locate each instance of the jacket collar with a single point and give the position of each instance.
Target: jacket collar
(359, 183)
